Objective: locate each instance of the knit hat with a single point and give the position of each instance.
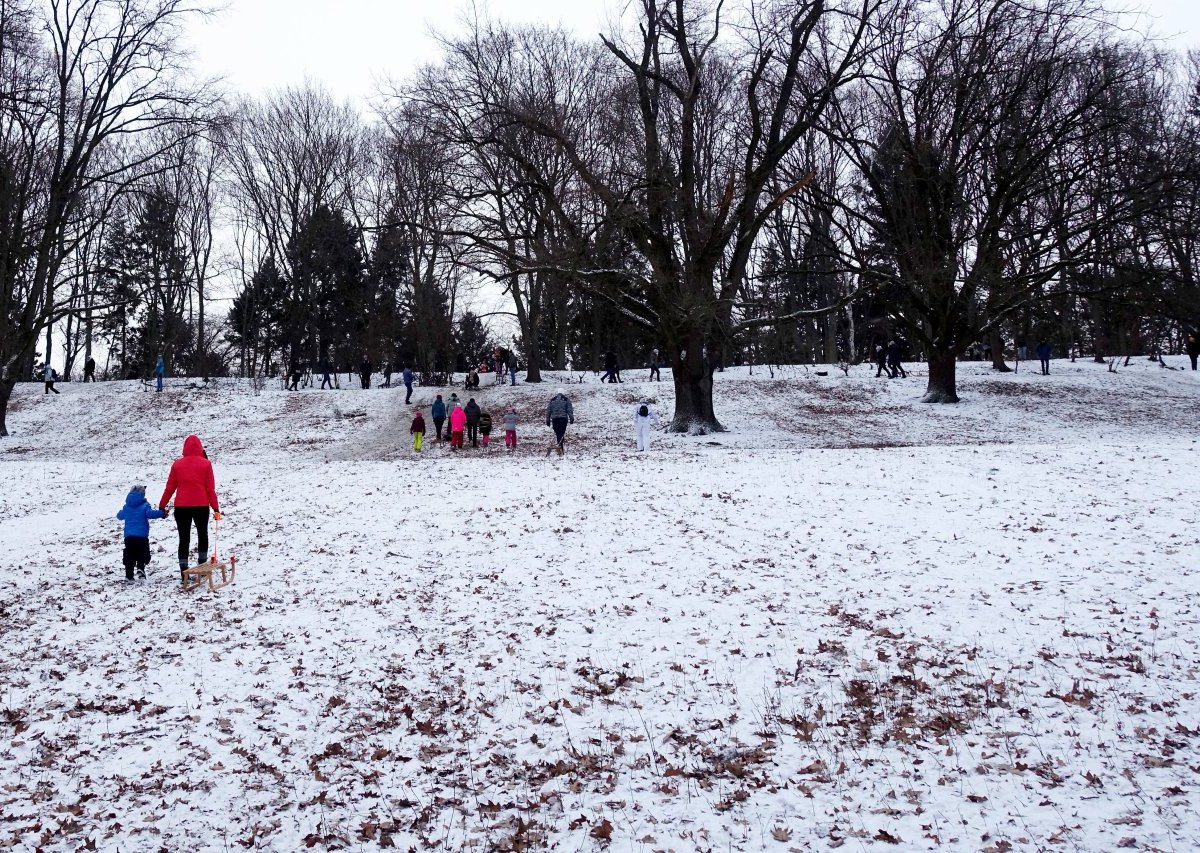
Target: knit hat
(139, 488)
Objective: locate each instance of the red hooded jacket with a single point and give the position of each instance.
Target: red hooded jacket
(192, 476)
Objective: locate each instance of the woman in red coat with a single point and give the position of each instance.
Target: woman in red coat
(191, 482)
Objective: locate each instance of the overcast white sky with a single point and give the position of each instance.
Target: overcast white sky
(259, 45)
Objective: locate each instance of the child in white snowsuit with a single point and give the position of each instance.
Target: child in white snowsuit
(643, 417)
(136, 514)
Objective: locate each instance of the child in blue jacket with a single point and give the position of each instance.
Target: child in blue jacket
(136, 514)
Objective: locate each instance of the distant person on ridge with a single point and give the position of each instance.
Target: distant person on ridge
(1193, 348)
(610, 367)
(893, 360)
(160, 370)
(49, 376)
(1043, 353)
(364, 372)
(89, 370)
(654, 375)
(881, 361)
(407, 376)
(327, 373)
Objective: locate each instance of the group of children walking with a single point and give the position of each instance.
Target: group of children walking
(466, 423)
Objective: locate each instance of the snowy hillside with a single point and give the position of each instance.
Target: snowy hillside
(852, 620)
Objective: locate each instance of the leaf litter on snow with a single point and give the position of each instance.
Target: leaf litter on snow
(977, 631)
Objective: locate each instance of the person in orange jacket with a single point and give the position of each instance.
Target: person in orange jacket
(192, 484)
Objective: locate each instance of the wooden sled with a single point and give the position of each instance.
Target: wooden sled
(194, 577)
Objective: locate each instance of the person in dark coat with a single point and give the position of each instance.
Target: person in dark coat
(881, 361)
(438, 411)
(1192, 346)
(327, 379)
(364, 372)
(559, 413)
(473, 412)
(610, 367)
(1043, 353)
(654, 364)
(485, 429)
(89, 370)
(295, 374)
(895, 368)
(387, 375)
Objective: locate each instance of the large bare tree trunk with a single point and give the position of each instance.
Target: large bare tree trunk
(693, 377)
(942, 386)
(997, 345)
(6, 388)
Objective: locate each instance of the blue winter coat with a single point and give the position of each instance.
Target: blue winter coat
(407, 376)
(1043, 351)
(137, 513)
(438, 410)
(160, 369)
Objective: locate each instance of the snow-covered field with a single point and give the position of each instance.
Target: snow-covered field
(851, 621)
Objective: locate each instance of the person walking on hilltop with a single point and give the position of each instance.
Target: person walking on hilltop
(1043, 353)
(364, 372)
(893, 360)
(406, 376)
(643, 418)
(559, 413)
(438, 412)
(327, 373)
(160, 370)
(512, 371)
(1192, 346)
(417, 431)
(89, 370)
(193, 486)
(881, 361)
(654, 375)
(387, 375)
(473, 412)
(610, 367)
(295, 374)
(49, 376)
(458, 424)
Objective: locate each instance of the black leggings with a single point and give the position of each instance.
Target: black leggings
(560, 430)
(185, 516)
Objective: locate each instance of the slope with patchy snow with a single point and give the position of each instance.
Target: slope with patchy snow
(851, 620)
